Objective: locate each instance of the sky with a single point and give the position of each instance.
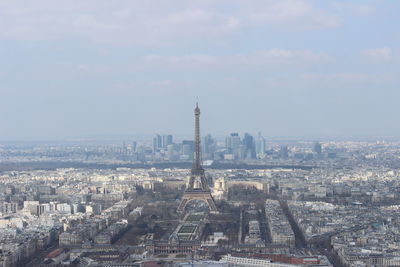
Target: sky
(323, 68)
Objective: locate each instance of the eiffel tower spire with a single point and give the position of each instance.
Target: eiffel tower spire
(197, 153)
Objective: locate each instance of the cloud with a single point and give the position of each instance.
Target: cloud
(181, 62)
(254, 59)
(280, 56)
(378, 54)
(159, 87)
(339, 79)
(294, 13)
(133, 22)
(353, 8)
(93, 69)
(153, 22)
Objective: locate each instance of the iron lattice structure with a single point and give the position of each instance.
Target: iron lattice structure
(197, 188)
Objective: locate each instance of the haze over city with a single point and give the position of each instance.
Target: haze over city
(199, 133)
(82, 69)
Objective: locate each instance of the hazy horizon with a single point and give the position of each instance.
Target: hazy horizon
(148, 138)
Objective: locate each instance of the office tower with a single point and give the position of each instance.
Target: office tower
(209, 145)
(284, 152)
(166, 140)
(317, 148)
(260, 146)
(188, 148)
(187, 151)
(241, 152)
(157, 143)
(197, 188)
(155, 147)
(248, 142)
(124, 148)
(228, 143)
(232, 143)
(133, 146)
(171, 152)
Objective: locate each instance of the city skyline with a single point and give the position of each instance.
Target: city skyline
(175, 133)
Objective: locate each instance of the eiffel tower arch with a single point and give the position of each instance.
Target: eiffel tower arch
(197, 188)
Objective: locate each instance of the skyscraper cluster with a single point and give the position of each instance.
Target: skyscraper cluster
(165, 148)
(234, 148)
(163, 141)
(244, 148)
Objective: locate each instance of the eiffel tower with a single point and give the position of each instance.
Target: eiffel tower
(197, 187)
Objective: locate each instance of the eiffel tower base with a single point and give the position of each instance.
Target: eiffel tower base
(198, 195)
